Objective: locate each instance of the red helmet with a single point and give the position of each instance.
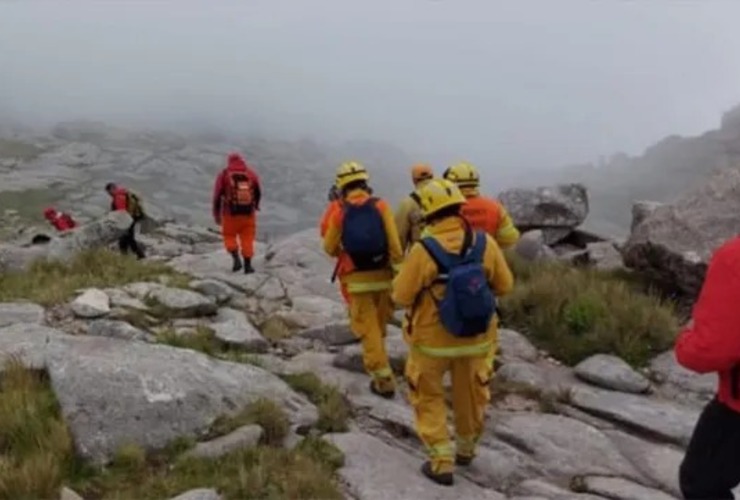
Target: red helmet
(50, 213)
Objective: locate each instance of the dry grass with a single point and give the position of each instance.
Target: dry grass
(37, 457)
(575, 312)
(50, 283)
(262, 412)
(334, 411)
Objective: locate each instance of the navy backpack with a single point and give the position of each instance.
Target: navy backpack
(363, 236)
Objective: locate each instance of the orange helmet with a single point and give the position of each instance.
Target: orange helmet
(421, 172)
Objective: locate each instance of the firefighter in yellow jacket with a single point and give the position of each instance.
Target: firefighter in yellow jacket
(483, 213)
(420, 287)
(363, 236)
(409, 219)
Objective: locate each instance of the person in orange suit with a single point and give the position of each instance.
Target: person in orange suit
(236, 199)
(60, 220)
(334, 206)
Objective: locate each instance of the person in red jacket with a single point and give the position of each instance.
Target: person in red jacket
(711, 344)
(60, 220)
(236, 199)
(123, 199)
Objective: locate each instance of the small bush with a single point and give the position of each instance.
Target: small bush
(576, 312)
(49, 283)
(203, 339)
(262, 412)
(334, 411)
(322, 452)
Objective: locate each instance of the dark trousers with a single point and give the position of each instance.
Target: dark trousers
(128, 242)
(711, 467)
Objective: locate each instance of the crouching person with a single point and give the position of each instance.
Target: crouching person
(448, 284)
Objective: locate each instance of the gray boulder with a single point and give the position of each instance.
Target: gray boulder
(244, 437)
(562, 206)
(220, 292)
(675, 242)
(92, 303)
(331, 334)
(27, 343)
(233, 327)
(611, 372)
(182, 303)
(20, 312)
(641, 210)
(532, 246)
(117, 330)
(618, 488)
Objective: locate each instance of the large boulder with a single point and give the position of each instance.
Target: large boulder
(115, 392)
(96, 234)
(673, 243)
(562, 206)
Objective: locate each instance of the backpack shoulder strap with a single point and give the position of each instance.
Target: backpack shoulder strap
(477, 248)
(417, 199)
(438, 254)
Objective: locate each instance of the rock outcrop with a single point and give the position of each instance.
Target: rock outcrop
(563, 207)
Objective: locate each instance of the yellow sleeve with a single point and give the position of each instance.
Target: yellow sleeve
(333, 236)
(409, 282)
(402, 223)
(394, 244)
(507, 234)
(499, 275)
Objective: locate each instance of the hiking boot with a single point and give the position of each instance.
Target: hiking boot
(237, 266)
(443, 478)
(383, 394)
(463, 460)
(248, 269)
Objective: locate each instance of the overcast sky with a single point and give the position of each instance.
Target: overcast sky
(504, 83)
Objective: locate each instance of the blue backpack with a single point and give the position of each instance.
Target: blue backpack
(468, 304)
(363, 236)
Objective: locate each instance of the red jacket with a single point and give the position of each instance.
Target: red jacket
(119, 199)
(62, 221)
(235, 163)
(711, 343)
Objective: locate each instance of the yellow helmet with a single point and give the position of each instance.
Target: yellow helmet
(438, 194)
(463, 174)
(350, 171)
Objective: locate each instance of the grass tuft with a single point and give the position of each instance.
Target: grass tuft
(263, 412)
(334, 411)
(50, 283)
(576, 312)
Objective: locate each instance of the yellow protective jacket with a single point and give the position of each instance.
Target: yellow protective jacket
(489, 215)
(411, 289)
(409, 219)
(363, 281)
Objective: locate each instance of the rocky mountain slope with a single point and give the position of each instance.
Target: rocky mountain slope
(599, 430)
(664, 171)
(69, 165)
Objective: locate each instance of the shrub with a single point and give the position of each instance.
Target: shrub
(334, 411)
(575, 312)
(48, 283)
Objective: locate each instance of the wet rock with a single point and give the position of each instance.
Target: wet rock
(331, 334)
(562, 447)
(93, 303)
(611, 372)
(118, 330)
(620, 489)
(217, 290)
(375, 470)
(563, 206)
(662, 419)
(244, 437)
(20, 312)
(233, 327)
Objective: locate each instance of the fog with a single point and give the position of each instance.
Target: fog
(508, 84)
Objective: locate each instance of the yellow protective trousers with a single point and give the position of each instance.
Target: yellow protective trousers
(471, 376)
(369, 316)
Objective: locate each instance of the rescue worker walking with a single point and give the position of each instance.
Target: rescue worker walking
(335, 204)
(123, 199)
(60, 220)
(448, 284)
(409, 219)
(483, 213)
(236, 199)
(363, 236)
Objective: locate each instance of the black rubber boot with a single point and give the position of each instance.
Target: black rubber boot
(248, 269)
(463, 460)
(444, 478)
(237, 261)
(382, 394)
